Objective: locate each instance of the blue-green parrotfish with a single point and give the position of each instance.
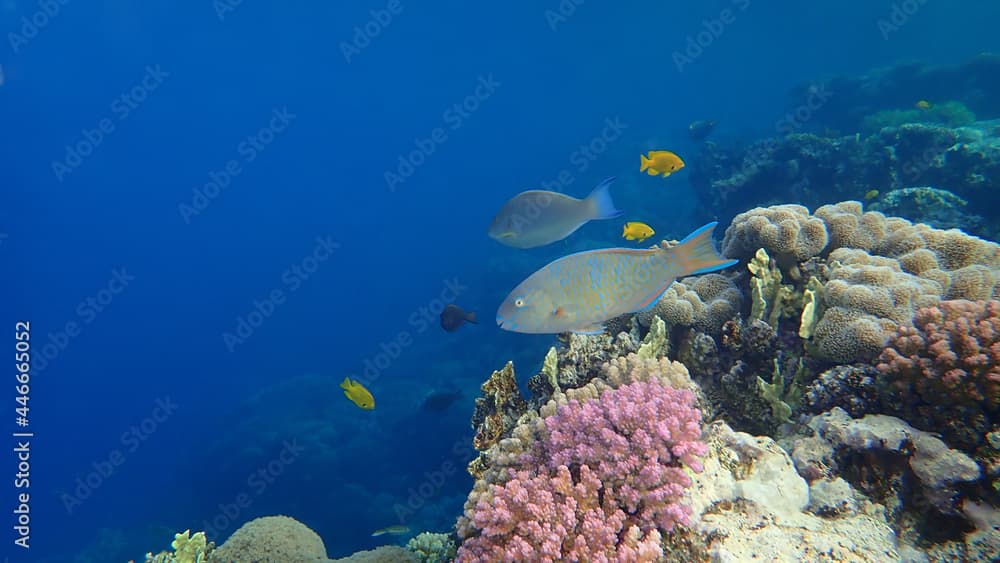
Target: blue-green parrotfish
(538, 217)
(580, 292)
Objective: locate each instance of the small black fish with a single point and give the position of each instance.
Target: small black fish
(440, 400)
(453, 317)
(700, 130)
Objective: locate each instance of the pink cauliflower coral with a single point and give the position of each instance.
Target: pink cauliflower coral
(603, 481)
(950, 356)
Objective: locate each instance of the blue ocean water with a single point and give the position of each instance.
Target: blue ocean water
(214, 213)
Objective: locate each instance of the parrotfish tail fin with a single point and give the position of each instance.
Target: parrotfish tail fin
(697, 255)
(346, 384)
(600, 201)
(471, 318)
(643, 163)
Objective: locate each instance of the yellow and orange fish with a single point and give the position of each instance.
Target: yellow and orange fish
(634, 230)
(357, 394)
(923, 104)
(663, 163)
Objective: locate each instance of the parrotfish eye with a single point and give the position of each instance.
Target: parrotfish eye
(519, 302)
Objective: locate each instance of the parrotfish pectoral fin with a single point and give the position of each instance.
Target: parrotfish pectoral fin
(600, 201)
(644, 163)
(697, 255)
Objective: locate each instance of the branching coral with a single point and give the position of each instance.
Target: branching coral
(603, 479)
(945, 369)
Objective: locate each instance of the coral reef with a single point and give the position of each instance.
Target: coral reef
(853, 388)
(749, 500)
(381, 554)
(973, 83)
(915, 476)
(272, 538)
(578, 360)
(431, 547)
(938, 208)
(814, 171)
(949, 114)
(936, 467)
(186, 549)
(623, 489)
(498, 408)
(702, 302)
(943, 372)
(788, 232)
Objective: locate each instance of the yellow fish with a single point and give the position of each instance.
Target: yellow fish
(923, 104)
(391, 530)
(637, 231)
(660, 162)
(871, 194)
(358, 395)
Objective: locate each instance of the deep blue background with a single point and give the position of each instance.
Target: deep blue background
(323, 176)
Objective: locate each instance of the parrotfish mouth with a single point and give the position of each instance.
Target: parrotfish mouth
(507, 234)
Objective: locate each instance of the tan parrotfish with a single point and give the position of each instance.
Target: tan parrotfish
(538, 217)
(580, 292)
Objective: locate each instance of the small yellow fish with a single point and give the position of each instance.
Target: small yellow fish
(637, 231)
(391, 530)
(871, 194)
(660, 162)
(923, 104)
(358, 395)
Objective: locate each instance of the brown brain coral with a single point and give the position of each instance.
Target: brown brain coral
(272, 538)
(849, 227)
(703, 302)
(964, 266)
(868, 296)
(787, 232)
